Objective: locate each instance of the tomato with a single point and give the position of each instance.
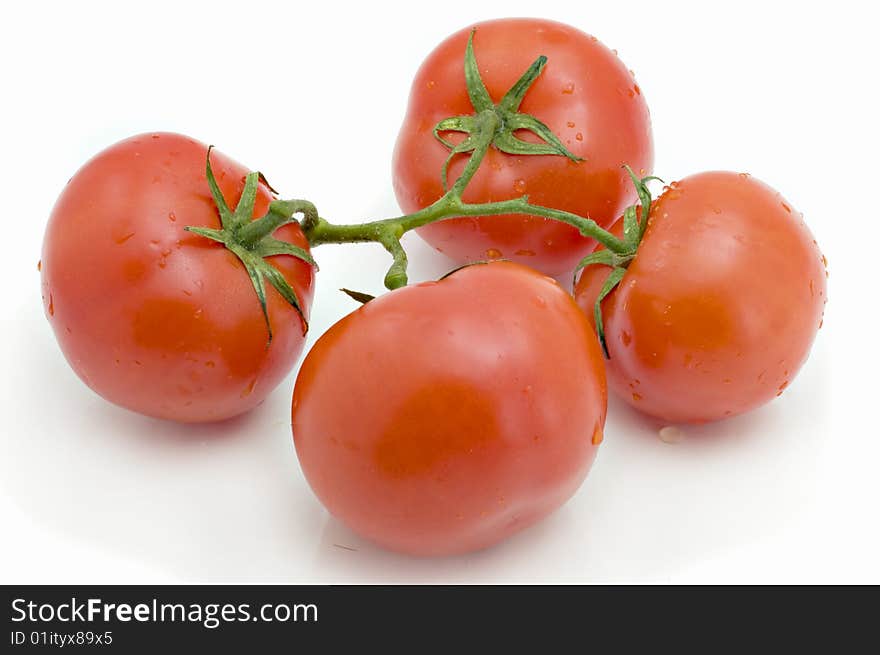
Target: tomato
(443, 417)
(719, 308)
(154, 318)
(585, 95)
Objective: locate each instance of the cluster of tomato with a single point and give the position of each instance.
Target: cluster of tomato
(442, 417)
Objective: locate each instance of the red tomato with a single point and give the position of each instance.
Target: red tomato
(585, 95)
(443, 417)
(719, 308)
(154, 318)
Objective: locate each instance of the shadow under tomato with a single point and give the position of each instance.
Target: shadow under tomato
(343, 556)
(205, 502)
(741, 428)
(131, 425)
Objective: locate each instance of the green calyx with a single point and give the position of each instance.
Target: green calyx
(635, 222)
(251, 240)
(501, 120)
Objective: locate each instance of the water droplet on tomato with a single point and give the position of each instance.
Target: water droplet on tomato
(40, 265)
(744, 176)
(570, 124)
(493, 253)
(172, 217)
(430, 84)
(163, 257)
(579, 136)
(525, 253)
(670, 434)
(519, 186)
(125, 237)
(51, 305)
(637, 397)
(625, 338)
(540, 301)
(637, 89)
(786, 208)
(568, 89)
(598, 435)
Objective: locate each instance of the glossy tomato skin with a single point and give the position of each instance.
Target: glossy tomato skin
(721, 305)
(585, 95)
(154, 318)
(443, 417)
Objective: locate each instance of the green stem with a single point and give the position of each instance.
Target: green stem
(450, 206)
(396, 275)
(486, 124)
(281, 212)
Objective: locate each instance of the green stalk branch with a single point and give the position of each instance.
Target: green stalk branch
(452, 207)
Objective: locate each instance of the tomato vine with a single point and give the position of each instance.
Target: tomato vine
(491, 125)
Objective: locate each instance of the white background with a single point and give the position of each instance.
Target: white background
(314, 97)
